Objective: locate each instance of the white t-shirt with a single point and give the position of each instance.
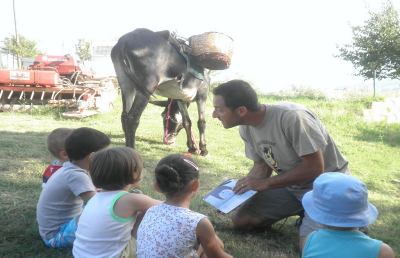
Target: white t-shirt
(102, 233)
(168, 231)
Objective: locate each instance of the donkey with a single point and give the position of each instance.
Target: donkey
(148, 63)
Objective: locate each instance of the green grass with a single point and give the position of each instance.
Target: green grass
(372, 149)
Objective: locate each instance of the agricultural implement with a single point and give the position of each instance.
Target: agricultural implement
(56, 81)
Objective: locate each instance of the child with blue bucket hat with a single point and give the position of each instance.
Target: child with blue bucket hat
(340, 203)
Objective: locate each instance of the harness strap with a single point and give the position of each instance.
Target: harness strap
(167, 118)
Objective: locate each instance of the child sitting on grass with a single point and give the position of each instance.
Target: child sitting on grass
(56, 147)
(61, 200)
(340, 203)
(105, 226)
(171, 229)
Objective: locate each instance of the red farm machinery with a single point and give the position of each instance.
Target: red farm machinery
(56, 81)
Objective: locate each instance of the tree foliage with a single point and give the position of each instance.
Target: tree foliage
(84, 49)
(24, 48)
(375, 51)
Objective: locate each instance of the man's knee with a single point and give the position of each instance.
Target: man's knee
(240, 220)
(245, 221)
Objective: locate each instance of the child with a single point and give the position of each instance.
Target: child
(171, 229)
(55, 145)
(61, 201)
(340, 203)
(106, 223)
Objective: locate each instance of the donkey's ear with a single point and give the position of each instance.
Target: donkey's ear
(164, 33)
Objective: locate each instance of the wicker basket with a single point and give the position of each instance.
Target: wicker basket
(212, 50)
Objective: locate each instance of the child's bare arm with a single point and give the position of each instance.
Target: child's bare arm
(133, 203)
(386, 251)
(210, 242)
(138, 219)
(87, 195)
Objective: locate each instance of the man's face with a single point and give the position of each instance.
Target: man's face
(228, 117)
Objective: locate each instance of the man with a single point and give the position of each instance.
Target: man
(287, 139)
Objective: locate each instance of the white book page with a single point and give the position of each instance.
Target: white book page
(224, 199)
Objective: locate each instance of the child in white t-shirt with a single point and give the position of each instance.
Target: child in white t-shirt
(105, 228)
(171, 229)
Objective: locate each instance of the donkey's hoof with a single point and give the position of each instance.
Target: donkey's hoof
(203, 152)
(193, 151)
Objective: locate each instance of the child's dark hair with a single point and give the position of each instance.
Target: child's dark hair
(174, 172)
(115, 168)
(83, 141)
(56, 140)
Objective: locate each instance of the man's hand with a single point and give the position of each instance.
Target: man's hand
(251, 183)
(256, 178)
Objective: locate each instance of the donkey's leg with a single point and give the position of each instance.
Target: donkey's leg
(201, 123)
(187, 124)
(134, 114)
(128, 91)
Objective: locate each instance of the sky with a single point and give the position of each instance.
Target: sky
(278, 44)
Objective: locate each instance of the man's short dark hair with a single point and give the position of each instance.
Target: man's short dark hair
(237, 93)
(83, 141)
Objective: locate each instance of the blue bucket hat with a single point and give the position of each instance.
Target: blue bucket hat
(339, 200)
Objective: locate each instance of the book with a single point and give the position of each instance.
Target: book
(224, 199)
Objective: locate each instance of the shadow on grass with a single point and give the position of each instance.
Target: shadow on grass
(119, 139)
(387, 134)
(20, 190)
(16, 146)
(18, 228)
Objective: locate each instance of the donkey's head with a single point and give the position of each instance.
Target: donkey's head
(172, 119)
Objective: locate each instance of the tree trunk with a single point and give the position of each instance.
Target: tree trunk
(374, 82)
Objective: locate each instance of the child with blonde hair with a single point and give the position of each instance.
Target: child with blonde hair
(171, 229)
(105, 228)
(56, 147)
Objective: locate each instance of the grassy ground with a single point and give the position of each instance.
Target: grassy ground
(372, 149)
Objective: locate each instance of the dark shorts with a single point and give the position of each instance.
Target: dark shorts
(273, 205)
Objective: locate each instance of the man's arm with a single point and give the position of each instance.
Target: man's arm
(311, 166)
(260, 169)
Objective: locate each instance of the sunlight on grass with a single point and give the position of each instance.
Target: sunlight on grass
(372, 149)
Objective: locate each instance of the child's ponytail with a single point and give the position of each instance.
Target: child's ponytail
(174, 172)
(168, 179)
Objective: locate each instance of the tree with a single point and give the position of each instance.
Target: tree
(84, 49)
(24, 48)
(375, 51)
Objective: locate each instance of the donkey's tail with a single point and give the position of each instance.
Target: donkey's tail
(125, 59)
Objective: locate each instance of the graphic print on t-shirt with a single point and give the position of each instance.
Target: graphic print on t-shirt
(269, 158)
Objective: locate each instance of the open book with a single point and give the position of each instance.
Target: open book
(224, 199)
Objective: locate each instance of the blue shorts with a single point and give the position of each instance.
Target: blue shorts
(65, 236)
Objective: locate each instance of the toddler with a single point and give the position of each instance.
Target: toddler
(340, 203)
(56, 146)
